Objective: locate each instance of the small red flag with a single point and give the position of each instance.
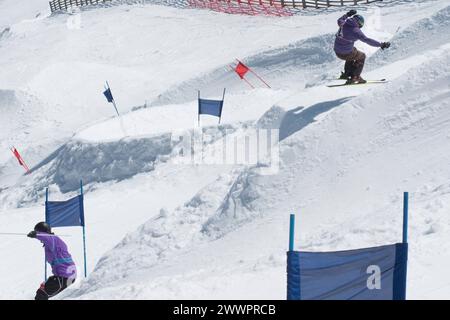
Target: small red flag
(19, 158)
(241, 69)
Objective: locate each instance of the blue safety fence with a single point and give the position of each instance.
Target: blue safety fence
(377, 273)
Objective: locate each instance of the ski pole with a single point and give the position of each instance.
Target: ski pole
(25, 234)
(13, 234)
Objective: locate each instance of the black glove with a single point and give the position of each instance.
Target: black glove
(32, 234)
(385, 45)
(351, 13)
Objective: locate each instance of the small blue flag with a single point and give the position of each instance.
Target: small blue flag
(211, 107)
(110, 98)
(108, 95)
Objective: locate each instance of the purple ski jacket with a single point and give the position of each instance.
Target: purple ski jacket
(57, 255)
(349, 33)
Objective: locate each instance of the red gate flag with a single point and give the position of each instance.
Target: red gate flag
(20, 159)
(241, 69)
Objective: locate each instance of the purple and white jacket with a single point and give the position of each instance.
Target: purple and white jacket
(57, 255)
(349, 33)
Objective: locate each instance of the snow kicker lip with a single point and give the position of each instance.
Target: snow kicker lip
(108, 161)
(98, 162)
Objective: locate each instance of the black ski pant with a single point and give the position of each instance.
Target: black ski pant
(52, 287)
(354, 62)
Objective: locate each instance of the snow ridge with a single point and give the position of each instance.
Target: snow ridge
(296, 62)
(415, 39)
(160, 237)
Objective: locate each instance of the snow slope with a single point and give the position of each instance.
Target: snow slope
(18, 11)
(158, 229)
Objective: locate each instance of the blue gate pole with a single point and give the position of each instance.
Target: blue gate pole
(84, 248)
(84, 233)
(405, 238)
(291, 232)
(405, 216)
(199, 109)
(223, 99)
(45, 260)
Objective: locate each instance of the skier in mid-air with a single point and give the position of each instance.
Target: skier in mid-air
(349, 32)
(57, 255)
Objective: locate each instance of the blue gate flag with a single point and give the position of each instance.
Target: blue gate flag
(376, 273)
(108, 95)
(68, 213)
(211, 107)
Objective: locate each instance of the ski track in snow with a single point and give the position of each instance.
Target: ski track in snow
(160, 230)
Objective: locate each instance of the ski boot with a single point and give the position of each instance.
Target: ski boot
(344, 76)
(356, 80)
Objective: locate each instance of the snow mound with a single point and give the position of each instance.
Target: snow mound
(160, 237)
(121, 159)
(91, 162)
(107, 161)
(100, 162)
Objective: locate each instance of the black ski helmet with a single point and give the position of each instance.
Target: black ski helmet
(359, 19)
(43, 227)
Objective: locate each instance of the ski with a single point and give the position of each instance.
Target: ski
(355, 84)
